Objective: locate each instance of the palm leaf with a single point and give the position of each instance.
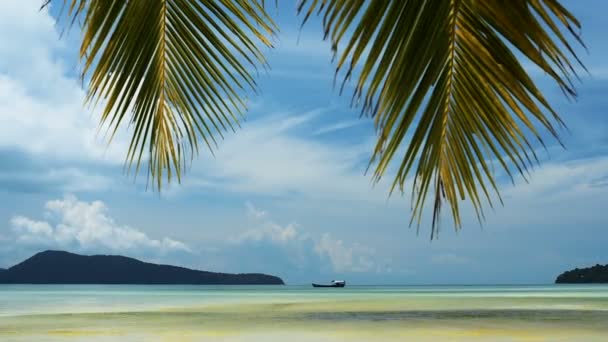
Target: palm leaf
(175, 69)
(443, 75)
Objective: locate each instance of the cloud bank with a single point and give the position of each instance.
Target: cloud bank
(83, 226)
(301, 251)
(41, 100)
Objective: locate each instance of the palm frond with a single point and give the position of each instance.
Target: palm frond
(175, 69)
(444, 75)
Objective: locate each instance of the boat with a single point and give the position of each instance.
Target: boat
(334, 283)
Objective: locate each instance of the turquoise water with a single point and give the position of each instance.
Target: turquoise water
(302, 313)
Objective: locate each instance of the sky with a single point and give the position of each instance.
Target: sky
(286, 194)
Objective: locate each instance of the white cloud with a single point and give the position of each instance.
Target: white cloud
(41, 105)
(339, 126)
(272, 232)
(254, 212)
(564, 179)
(87, 227)
(32, 232)
(270, 156)
(305, 249)
(69, 179)
(346, 258)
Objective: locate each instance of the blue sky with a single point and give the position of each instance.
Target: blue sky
(287, 193)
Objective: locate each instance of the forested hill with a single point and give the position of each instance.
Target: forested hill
(594, 274)
(58, 267)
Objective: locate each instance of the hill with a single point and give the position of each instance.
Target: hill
(595, 274)
(59, 267)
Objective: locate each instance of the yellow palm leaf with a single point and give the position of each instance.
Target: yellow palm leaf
(445, 71)
(175, 69)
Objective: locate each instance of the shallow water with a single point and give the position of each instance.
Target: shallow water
(301, 313)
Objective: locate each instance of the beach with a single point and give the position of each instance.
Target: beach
(301, 313)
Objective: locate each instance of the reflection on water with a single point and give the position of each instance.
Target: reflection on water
(366, 313)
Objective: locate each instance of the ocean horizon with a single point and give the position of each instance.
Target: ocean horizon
(544, 312)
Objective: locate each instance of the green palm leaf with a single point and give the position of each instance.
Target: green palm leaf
(445, 71)
(175, 69)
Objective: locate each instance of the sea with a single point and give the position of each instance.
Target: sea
(302, 313)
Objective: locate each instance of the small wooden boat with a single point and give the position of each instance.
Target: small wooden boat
(334, 283)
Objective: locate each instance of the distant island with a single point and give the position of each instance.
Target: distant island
(59, 267)
(595, 274)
